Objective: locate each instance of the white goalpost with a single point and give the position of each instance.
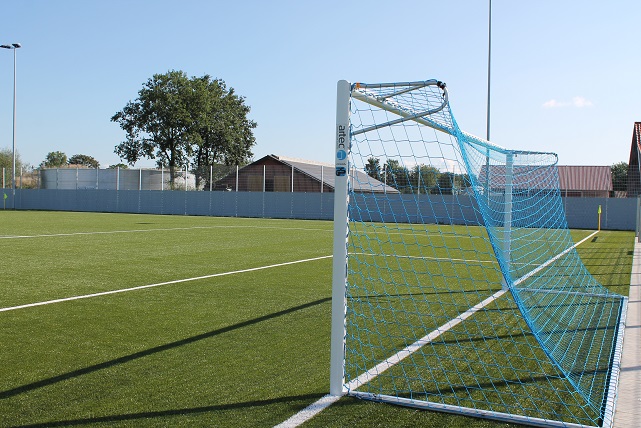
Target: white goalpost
(456, 284)
(339, 267)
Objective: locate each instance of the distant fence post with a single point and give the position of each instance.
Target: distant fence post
(117, 178)
(237, 178)
(97, 178)
(211, 176)
(638, 218)
(140, 179)
(385, 178)
(264, 176)
(292, 178)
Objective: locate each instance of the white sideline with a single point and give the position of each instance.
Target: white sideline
(320, 405)
(140, 287)
(157, 230)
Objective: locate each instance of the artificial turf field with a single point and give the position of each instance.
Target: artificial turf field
(230, 332)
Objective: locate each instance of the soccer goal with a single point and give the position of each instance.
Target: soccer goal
(457, 286)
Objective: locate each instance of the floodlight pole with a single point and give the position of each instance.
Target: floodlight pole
(489, 59)
(13, 46)
(487, 126)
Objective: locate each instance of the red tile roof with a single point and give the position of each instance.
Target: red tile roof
(597, 178)
(580, 178)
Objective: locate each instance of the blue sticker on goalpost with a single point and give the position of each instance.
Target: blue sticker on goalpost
(457, 286)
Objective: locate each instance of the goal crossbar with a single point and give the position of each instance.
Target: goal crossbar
(384, 103)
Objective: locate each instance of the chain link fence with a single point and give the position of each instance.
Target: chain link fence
(268, 178)
(250, 178)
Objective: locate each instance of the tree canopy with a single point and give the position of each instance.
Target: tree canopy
(6, 160)
(59, 159)
(84, 160)
(119, 165)
(181, 121)
(54, 160)
(420, 178)
(619, 176)
(373, 168)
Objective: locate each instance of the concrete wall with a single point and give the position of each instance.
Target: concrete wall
(581, 213)
(112, 179)
(224, 204)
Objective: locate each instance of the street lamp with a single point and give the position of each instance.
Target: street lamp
(13, 46)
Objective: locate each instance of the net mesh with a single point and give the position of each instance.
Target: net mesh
(464, 288)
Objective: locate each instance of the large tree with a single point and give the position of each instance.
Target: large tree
(373, 168)
(224, 133)
(424, 177)
(54, 160)
(619, 176)
(6, 166)
(158, 123)
(396, 176)
(6, 159)
(179, 120)
(84, 160)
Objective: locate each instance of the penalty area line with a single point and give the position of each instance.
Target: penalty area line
(141, 287)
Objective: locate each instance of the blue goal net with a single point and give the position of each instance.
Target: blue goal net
(463, 290)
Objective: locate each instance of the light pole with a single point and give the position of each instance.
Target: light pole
(489, 60)
(13, 46)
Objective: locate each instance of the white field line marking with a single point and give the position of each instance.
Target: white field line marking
(309, 412)
(404, 353)
(140, 287)
(553, 259)
(158, 230)
(409, 350)
(318, 406)
(426, 258)
(427, 233)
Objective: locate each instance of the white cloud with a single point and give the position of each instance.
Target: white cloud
(581, 102)
(552, 104)
(578, 102)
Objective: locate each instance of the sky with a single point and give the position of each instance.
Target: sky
(565, 74)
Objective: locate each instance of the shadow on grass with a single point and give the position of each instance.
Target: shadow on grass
(174, 412)
(127, 358)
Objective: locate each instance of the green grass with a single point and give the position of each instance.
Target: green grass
(492, 361)
(243, 350)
